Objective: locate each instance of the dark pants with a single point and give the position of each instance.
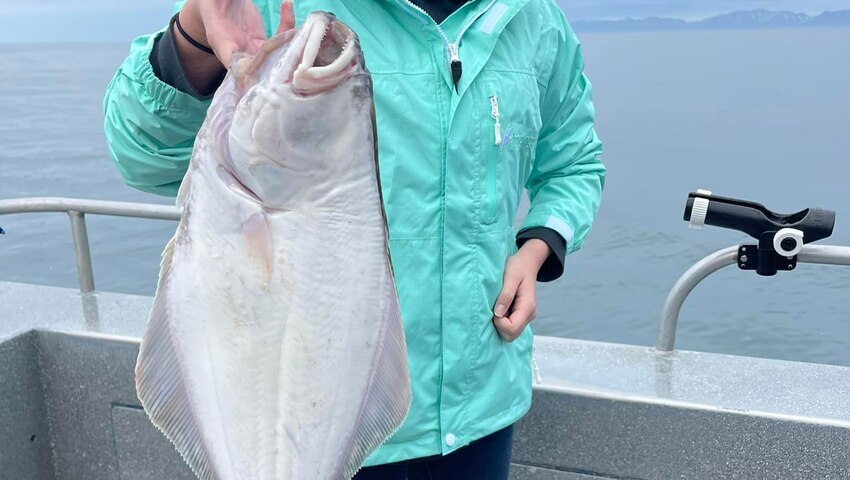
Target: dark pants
(488, 458)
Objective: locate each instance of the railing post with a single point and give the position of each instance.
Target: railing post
(676, 298)
(666, 342)
(81, 249)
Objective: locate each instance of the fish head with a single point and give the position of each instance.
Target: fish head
(306, 109)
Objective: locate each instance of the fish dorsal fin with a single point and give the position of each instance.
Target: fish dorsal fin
(161, 386)
(182, 197)
(388, 398)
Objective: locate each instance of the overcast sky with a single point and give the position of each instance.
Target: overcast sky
(110, 20)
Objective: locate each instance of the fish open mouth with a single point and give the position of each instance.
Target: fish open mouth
(330, 53)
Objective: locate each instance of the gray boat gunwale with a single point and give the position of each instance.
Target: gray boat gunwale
(602, 410)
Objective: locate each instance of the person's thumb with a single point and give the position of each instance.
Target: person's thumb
(506, 296)
(224, 51)
(287, 17)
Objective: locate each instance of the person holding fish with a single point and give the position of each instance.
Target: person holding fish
(474, 102)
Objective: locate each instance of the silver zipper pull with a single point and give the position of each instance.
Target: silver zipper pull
(494, 112)
(456, 66)
(455, 52)
(538, 379)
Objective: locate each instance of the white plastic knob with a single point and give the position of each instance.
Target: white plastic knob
(699, 211)
(784, 234)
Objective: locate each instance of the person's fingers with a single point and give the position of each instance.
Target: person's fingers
(510, 282)
(522, 313)
(505, 327)
(229, 40)
(287, 17)
(255, 45)
(525, 305)
(238, 28)
(224, 51)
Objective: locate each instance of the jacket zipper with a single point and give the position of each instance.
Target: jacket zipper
(493, 160)
(455, 65)
(494, 112)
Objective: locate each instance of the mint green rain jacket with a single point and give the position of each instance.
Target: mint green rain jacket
(450, 190)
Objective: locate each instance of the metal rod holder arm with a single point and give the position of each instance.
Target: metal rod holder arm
(816, 254)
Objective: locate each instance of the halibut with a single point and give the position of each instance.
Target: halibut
(275, 348)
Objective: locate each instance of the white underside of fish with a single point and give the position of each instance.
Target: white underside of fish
(275, 348)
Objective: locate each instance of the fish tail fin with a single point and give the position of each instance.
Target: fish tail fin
(388, 400)
(161, 387)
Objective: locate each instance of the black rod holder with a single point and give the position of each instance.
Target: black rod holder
(780, 236)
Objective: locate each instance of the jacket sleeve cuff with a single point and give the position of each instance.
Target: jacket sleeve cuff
(158, 95)
(165, 62)
(553, 267)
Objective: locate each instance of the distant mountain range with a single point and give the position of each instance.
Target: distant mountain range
(734, 20)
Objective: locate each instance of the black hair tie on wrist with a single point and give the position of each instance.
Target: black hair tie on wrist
(195, 43)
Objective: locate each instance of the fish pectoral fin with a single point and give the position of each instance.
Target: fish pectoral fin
(161, 387)
(258, 240)
(387, 401)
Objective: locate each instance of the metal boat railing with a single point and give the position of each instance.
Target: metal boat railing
(77, 210)
(817, 254)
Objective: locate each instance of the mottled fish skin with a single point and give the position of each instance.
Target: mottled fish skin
(275, 348)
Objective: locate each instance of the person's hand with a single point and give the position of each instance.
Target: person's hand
(516, 306)
(229, 26)
(226, 26)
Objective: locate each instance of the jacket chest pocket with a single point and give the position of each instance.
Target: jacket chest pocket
(509, 125)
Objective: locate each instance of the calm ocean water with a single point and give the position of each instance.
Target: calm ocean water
(762, 115)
